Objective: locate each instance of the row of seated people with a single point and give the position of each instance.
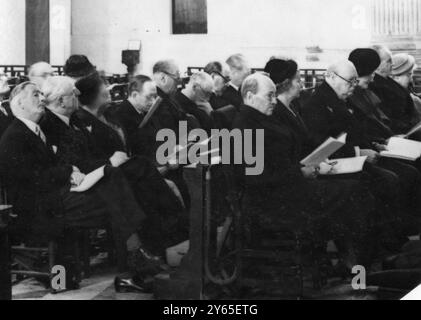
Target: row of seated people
(63, 128)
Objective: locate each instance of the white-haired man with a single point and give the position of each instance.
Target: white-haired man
(39, 185)
(194, 99)
(39, 72)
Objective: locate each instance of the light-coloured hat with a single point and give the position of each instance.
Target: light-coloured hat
(402, 63)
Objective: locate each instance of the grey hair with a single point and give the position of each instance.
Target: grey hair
(34, 69)
(56, 87)
(381, 50)
(202, 79)
(250, 84)
(16, 93)
(164, 66)
(237, 62)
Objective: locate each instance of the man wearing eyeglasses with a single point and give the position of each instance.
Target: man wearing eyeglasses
(168, 115)
(327, 114)
(221, 79)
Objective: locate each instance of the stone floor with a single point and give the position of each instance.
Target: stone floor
(98, 287)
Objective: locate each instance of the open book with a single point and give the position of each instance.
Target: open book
(400, 148)
(90, 180)
(346, 166)
(324, 151)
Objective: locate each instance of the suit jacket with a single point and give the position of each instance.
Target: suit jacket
(129, 119)
(295, 122)
(33, 177)
(327, 116)
(200, 118)
(367, 109)
(73, 144)
(218, 102)
(282, 151)
(397, 104)
(232, 96)
(282, 195)
(105, 140)
(6, 117)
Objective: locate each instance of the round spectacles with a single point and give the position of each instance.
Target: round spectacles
(353, 82)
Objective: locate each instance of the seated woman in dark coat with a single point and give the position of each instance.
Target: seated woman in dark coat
(286, 191)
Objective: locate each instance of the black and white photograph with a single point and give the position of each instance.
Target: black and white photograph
(210, 155)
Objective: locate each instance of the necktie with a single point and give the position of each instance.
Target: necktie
(41, 135)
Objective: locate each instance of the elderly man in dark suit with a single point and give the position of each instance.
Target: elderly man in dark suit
(220, 76)
(239, 70)
(397, 103)
(106, 136)
(39, 186)
(327, 114)
(285, 191)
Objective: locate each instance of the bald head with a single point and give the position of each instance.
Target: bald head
(385, 68)
(259, 92)
(342, 78)
(40, 72)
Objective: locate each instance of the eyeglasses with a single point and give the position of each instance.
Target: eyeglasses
(225, 78)
(175, 77)
(353, 82)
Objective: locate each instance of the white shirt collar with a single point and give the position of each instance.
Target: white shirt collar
(65, 119)
(31, 125)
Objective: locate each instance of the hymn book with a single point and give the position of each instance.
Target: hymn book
(324, 151)
(90, 180)
(346, 166)
(399, 148)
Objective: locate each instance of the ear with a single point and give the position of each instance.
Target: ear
(250, 96)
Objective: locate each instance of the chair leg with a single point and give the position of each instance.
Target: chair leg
(52, 245)
(86, 253)
(110, 247)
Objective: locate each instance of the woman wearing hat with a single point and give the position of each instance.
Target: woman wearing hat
(402, 72)
(364, 102)
(393, 92)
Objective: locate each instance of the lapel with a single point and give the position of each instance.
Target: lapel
(296, 122)
(131, 114)
(362, 101)
(41, 150)
(337, 108)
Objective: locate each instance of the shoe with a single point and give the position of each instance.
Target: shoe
(143, 262)
(131, 285)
